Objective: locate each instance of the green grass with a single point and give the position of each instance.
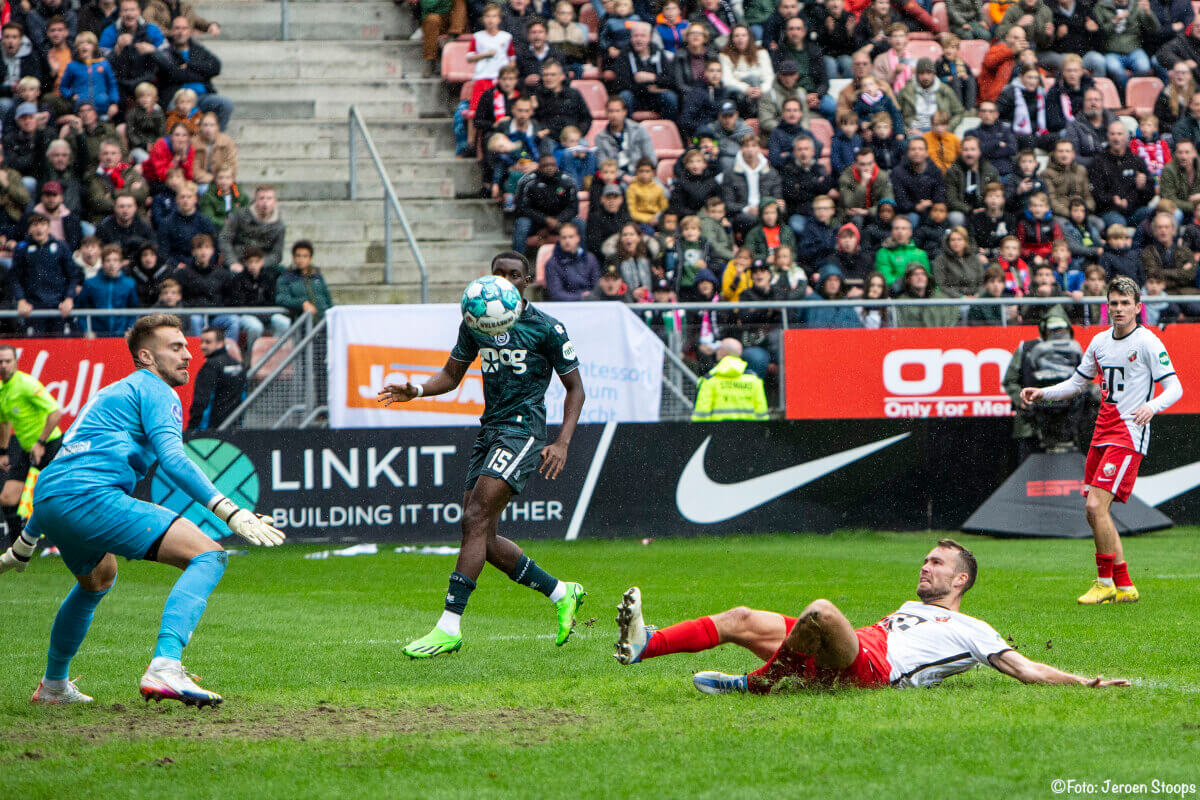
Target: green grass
(320, 703)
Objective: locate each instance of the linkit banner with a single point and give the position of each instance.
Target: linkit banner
(637, 480)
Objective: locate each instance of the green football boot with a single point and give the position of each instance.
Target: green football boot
(435, 643)
(566, 609)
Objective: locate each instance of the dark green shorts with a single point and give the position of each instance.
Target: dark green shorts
(508, 454)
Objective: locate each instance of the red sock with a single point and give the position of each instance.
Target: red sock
(783, 662)
(1121, 575)
(1104, 565)
(692, 636)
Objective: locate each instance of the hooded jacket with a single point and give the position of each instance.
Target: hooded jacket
(1037, 235)
(958, 276)
(925, 316)
(729, 392)
(892, 260)
(830, 317)
(101, 291)
(756, 237)
(1064, 183)
(571, 275)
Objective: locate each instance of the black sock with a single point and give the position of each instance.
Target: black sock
(528, 573)
(459, 593)
(14, 522)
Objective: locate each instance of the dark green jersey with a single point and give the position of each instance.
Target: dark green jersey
(517, 366)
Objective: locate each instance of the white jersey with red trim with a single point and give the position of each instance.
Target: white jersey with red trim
(927, 644)
(1129, 368)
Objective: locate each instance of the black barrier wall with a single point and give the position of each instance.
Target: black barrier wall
(670, 479)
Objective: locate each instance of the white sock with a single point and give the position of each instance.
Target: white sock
(162, 662)
(1105, 581)
(56, 686)
(560, 591)
(449, 623)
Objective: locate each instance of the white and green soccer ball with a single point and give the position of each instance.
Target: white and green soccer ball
(491, 305)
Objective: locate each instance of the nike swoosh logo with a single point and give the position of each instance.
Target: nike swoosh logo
(1154, 490)
(704, 501)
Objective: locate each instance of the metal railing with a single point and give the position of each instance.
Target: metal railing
(391, 204)
(87, 314)
(285, 26)
(294, 386)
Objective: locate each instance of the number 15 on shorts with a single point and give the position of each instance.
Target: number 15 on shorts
(500, 459)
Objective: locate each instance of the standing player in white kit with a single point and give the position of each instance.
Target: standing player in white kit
(1130, 361)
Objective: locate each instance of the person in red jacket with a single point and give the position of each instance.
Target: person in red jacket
(998, 64)
(173, 150)
(1037, 231)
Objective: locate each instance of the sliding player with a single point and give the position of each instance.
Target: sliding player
(83, 504)
(920, 644)
(517, 366)
(1130, 361)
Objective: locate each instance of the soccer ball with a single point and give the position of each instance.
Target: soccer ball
(491, 305)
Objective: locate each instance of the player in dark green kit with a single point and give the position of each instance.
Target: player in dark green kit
(517, 366)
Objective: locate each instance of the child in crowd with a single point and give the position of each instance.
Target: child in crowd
(943, 145)
(880, 228)
(170, 294)
(668, 229)
(618, 23)
(1149, 145)
(717, 229)
(771, 232)
(608, 174)
(1037, 230)
(571, 38)
(933, 229)
(145, 123)
(993, 222)
(1016, 271)
(954, 72)
(1083, 239)
(736, 277)
(888, 149)
(846, 142)
(1070, 278)
(873, 101)
(645, 197)
(512, 161)
(489, 50)
(1023, 182)
(575, 158)
(87, 257)
(148, 273)
(993, 286)
(692, 253)
(1157, 312)
(222, 198)
(1119, 258)
(670, 26)
(163, 203)
(183, 109)
(788, 274)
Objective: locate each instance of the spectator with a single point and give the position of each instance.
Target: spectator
(717, 230)
(1149, 146)
(1034, 17)
(1171, 261)
(957, 269)
(878, 226)
(860, 65)
(173, 150)
(871, 31)
(1119, 258)
(258, 225)
(702, 105)
(171, 296)
(222, 198)
(1065, 179)
(206, 283)
(746, 68)
(771, 232)
(809, 60)
(18, 59)
(516, 16)
(1067, 93)
(130, 44)
(943, 146)
(1082, 232)
(111, 288)
(920, 285)
(999, 61)
(779, 143)
(1088, 131)
(816, 242)
(43, 276)
(1175, 97)
(545, 200)
(833, 24)
(255, 287)
(214, 150)
(993, 286)
(161, 12)
(1037, 230)
(179, 230)
(728, 391)
(25, 144)
(1036, 122)
(610, 287)
(96, 15)
(438, 18)
(803, 178)
(953, 71)
(687, 68)
(1023, 182)
(62, 167)
(643, 77)
(558, 105)
(148, 274)
(692, 253)
(1181, 179)
(1074, 34)
(88, 79)
(759, 328)
(87, 257)
(567, 36)
(533, 55)
(966, 181)
(932, 230)
(997, 143)
(917, 183)
(748, 184)
(1182, 49)
(670, 26)
(830, 286)
(786, 87)
(862, 186)
(572, 271)
(111, 176)
(13, 199)
(302, 288)
(1187, 127)
(872, 102)
(634, 261)
(220, 383)
(898, 252)
(624, 140)
(87, 123)
(606, 218)
(42, 16)
(920, 98)
(1121, 183)
(895, 66)
(64, 225)
(645, 197)
(145, 123)
(718, 17)
(496, 105)
(1158, 313)
(736, 277)
(575, 158)
(855, 263)
(1123, 27)
(489, 50)
(693, 186)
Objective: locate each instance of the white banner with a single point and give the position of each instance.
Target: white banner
(620, 361)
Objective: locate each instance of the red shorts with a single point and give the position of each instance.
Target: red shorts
(1112, 468)
(870, 668)
(478, 87)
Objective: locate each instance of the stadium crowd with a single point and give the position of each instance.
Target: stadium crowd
(118, 184)
(752, 149)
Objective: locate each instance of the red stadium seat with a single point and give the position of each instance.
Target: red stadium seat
(665, 137)
(597, 126)
(642, 116)
(588, 18)
(822, 131)
(972, 52)
(595, 95)
(753, 123)
(543, 255)
(921, 49)
(455, 68)
(1140, 93)
(1109, 90)
(666, 171)
(261, 345)
(940, 18)
(920, 36)
(584, 205)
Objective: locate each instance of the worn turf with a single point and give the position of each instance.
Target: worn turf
(321, 703)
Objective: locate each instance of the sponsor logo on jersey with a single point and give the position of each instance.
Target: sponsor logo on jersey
(1164, 359)
(941, 619)
(501, 339)
(568, 350)
(491, 360)
(563, 331)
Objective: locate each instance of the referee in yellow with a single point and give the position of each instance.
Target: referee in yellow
(29, 434)
(728, 391)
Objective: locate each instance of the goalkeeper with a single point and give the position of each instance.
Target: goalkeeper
(83, 504)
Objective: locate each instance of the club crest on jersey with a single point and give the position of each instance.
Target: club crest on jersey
(1109, 469)
(1132, 356)
(942, 619)
(501, 339)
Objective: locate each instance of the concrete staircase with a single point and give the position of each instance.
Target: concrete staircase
(290, 123)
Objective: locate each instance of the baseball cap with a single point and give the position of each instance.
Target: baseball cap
(728, 107)
(662, 285)
(52, 187)
(759, 264)
(787, 67)
(611, 189)
(611, 271)
(27, 110)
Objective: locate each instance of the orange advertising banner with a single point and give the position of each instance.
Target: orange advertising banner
(371, 367)
(919, 373)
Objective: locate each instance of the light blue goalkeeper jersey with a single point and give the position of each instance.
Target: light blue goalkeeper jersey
(121, 432)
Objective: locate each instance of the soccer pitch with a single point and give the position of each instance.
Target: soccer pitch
(319, 702)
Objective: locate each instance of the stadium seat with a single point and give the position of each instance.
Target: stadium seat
(665, 137)
(595, 95)
(822, 131)
(590, 72)
(919, 36)
(1112, 100)
(643, 116)
(539, 272)
(261, 345)
(753, 123)
(940, 17)
(666, 171)
(588, 18)
(972, 52)
(455, 68)
(597, 126)
(1140, 93)
(584, 204)
(925, 49)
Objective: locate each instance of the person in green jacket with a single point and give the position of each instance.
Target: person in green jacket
(302, 288)
(728, 391)
(898, 252)
(919, 285)
(222, 198)
(769, 233)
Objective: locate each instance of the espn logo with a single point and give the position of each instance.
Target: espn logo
(371, 367)
(1053, 488)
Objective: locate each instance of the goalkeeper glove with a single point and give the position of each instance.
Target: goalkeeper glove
(17, 557)
(254, 528)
